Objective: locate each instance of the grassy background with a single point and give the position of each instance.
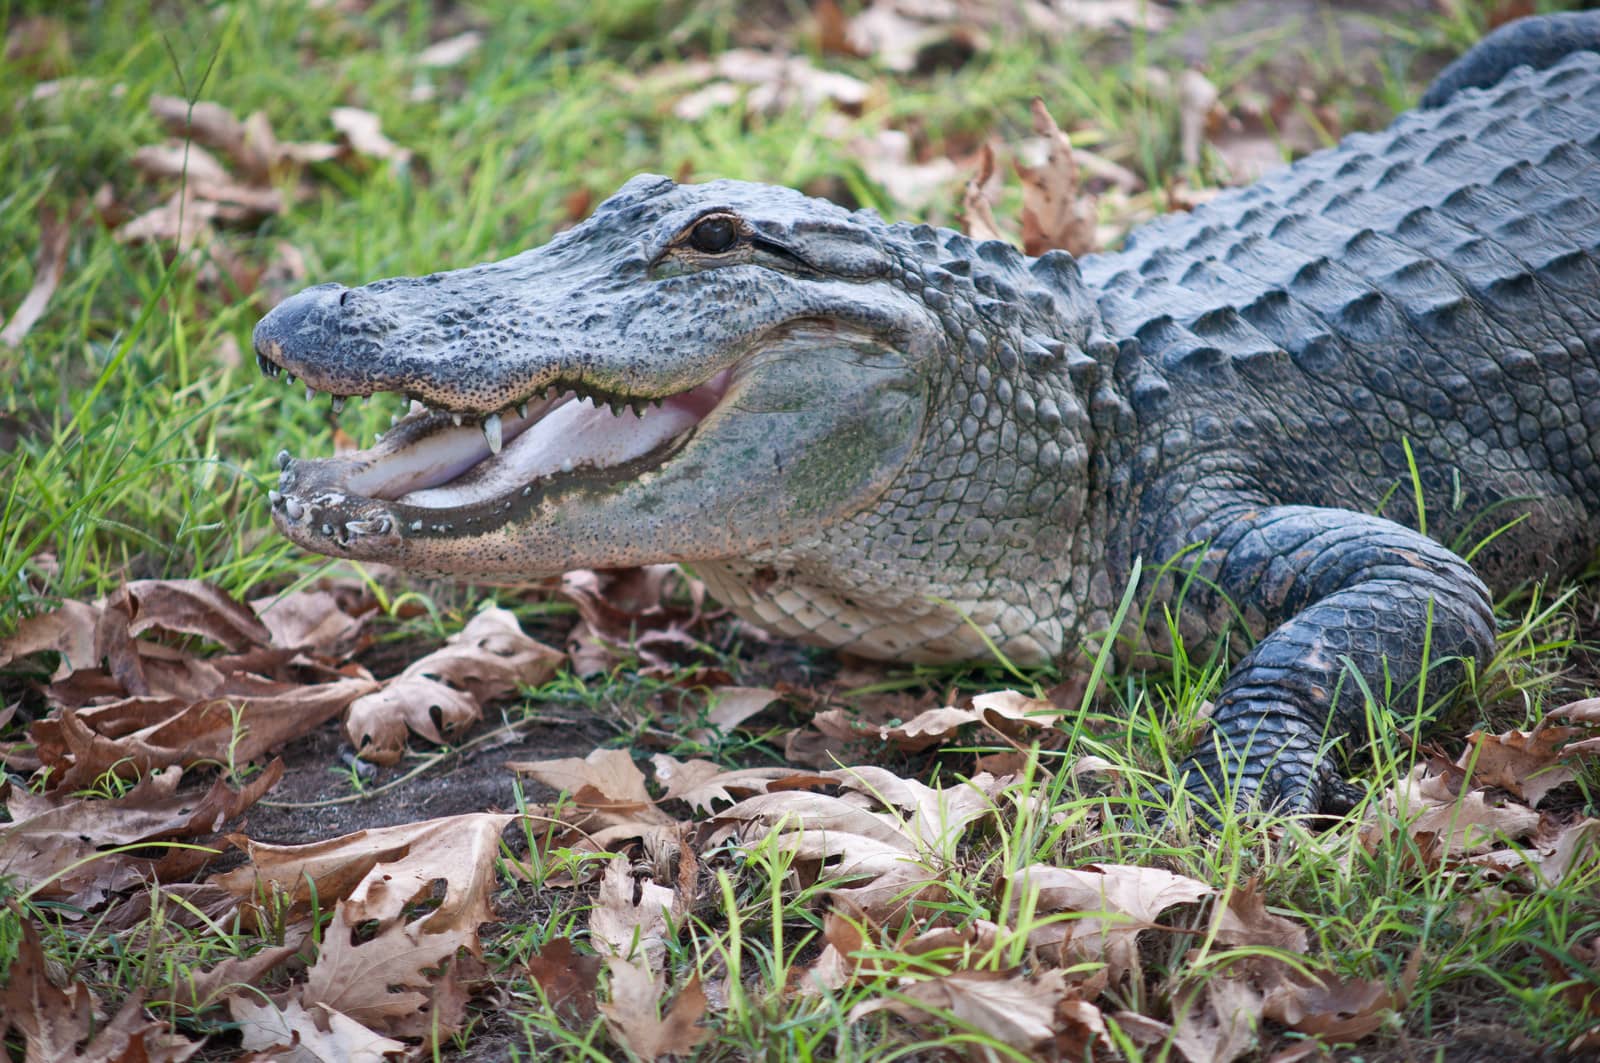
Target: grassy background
(134, 447)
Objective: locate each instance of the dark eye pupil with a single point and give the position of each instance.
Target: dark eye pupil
(713, 236)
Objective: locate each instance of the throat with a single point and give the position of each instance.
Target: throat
(887, 623)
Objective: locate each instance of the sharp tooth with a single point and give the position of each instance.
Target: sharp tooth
(273, 498)
(284, 458)
(337, 403)
(491, 432)
(522, 410)
(416, 525)
(288, 378)
(456, 417)
(615, 407)
(293, 509)
(394, 419)
(638, 407)
(263, 365)
(311, 392)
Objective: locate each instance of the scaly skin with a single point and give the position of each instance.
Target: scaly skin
(922, 438)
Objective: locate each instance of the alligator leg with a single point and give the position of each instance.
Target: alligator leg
(1324, 590)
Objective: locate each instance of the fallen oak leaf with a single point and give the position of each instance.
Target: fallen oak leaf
(442, 694)
(703, 783)
(312, 620)
(363, 131)
(729, 707)
(1424, 803)
(379, 962)
(250, 145)
(1056, 213)
(58, 1024)
(1114, 904)
(633, 1017)
(630, 917)
(455, 849)
(606, 783)
(310, 1035)
(247, 718)
(977, 213)
(1016, 1010)
(54, 233)
(1221, 1029)
(567, 979)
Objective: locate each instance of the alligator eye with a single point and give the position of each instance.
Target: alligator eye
(713, 235)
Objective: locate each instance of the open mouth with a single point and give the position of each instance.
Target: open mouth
(436, 470)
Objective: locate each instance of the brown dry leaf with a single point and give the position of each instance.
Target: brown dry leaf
(242, 720)
(704, 784)
(1337, 1009)
(363, 131)
(634, 1020)
(294, 1033)
(1245, 921)
(333, 869)
(55, 1024)
(378, 965)
(888, 156)
(1056, 213)
(1006, 1006)
(1455, 825)
(629, 925)
(1530, 764)
(314, 620)
(852, 839)
(1117, 902)
(1197, 97)
(1225, 1028)
(53, 845)
(87, 634)
(767, 82)
(250, 145)
(1552, 851)
(68, 631)
(54, 232)
(625, 611)
(606, 784)
(977, 213)
(629, 920)
(442, 694)
(568, 978)
(899, 849)
(179, 161)
(189, 607)
(451, 51)
(838, 962)
(880, 719)
(731, 706)
(180, 221)
(201, 989)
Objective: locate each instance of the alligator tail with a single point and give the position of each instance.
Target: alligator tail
(1540, 41)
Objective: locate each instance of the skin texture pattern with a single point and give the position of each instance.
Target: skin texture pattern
(895, 440)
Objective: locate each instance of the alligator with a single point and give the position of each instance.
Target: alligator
(1326, 413)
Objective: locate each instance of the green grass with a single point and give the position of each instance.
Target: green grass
(135, 451)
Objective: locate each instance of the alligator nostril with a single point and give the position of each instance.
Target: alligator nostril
(344, 297)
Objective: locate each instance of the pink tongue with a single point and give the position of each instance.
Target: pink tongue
(575, 435)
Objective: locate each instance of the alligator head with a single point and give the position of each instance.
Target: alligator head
(727, 374)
